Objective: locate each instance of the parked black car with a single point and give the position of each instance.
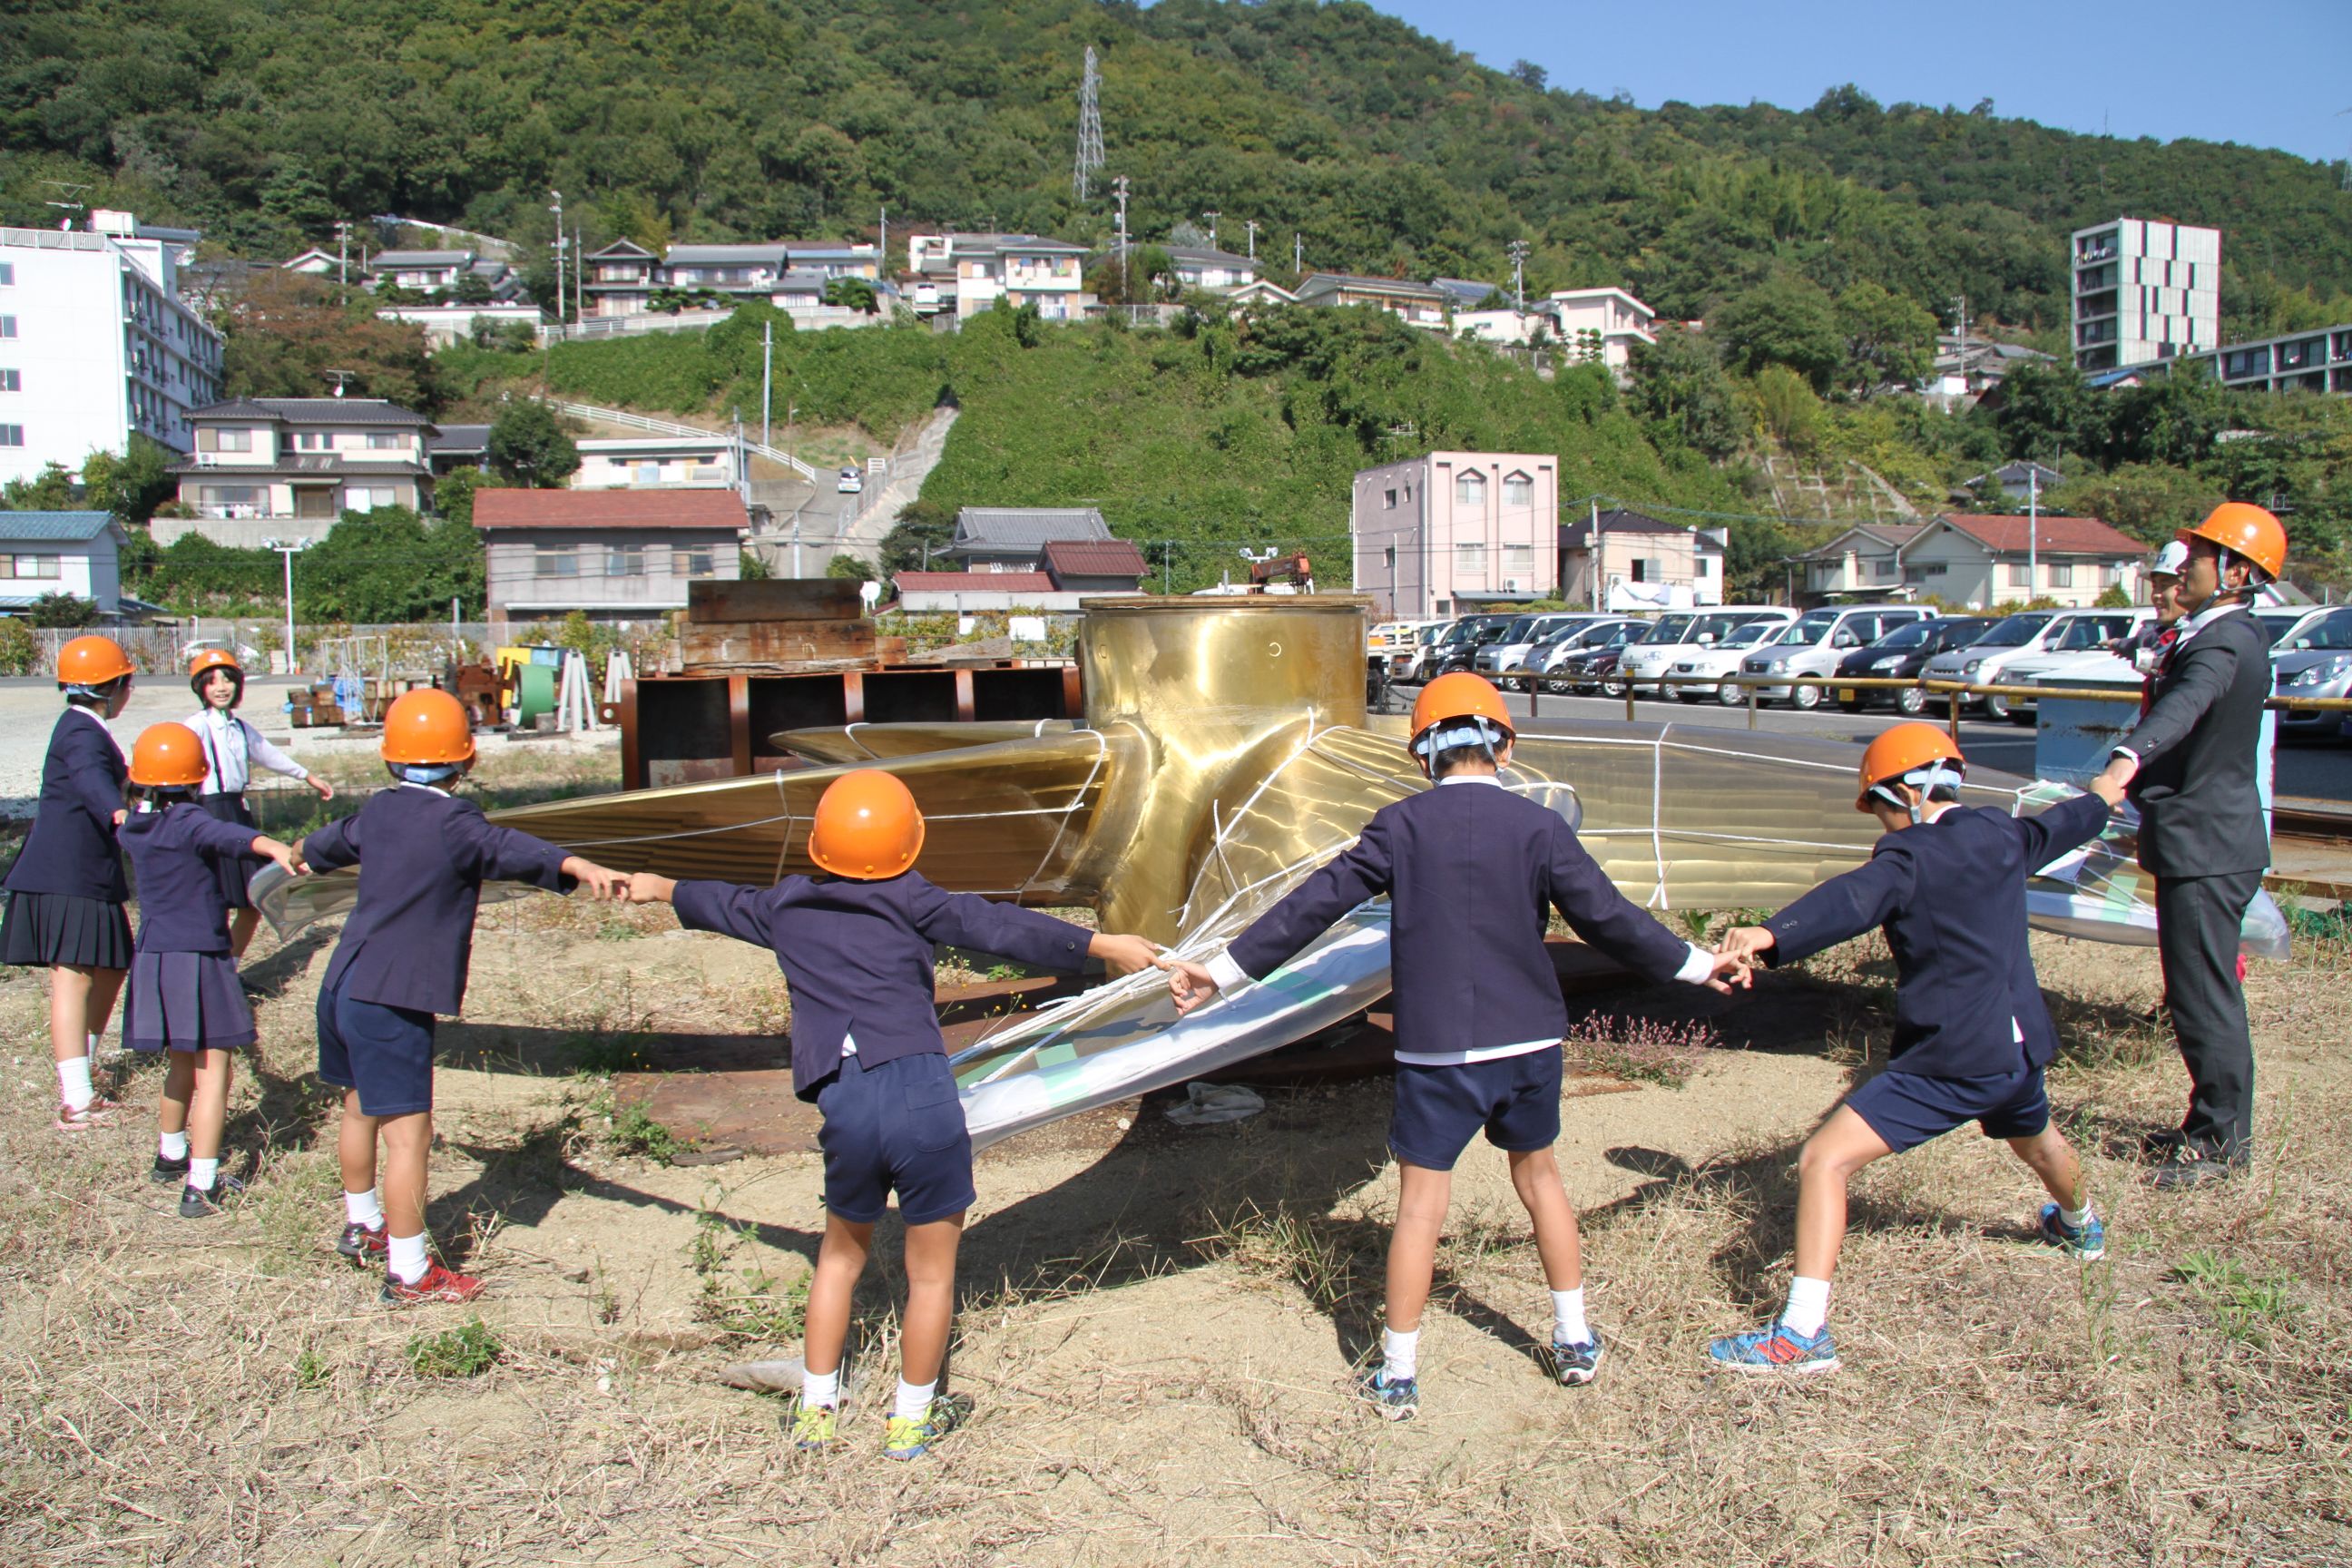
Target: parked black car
(1595, 667)
(1462, 643)
(1901, 654)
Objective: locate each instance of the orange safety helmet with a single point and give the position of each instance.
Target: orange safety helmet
(1460, 695)
(867, 827)
(1901, 752)
(427, 725)
(168, 755)
(210, 658)
(92, 661)
(2246, 530)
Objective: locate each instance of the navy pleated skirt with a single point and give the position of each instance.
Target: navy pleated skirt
(45, 928)
(184, 1002)
(234, 871)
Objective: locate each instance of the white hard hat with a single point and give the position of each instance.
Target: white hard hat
(2171, 559)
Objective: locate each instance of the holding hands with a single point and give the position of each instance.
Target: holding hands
(600, 882)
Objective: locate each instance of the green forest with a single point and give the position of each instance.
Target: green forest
(262, 121)
(1824, 248)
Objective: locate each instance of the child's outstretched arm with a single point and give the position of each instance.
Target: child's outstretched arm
(1839, 910)
(288, 858)
(1122, 953)
(600, 882)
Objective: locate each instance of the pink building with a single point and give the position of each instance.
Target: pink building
(1451, 533)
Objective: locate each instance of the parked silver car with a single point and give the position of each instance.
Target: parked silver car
(2313, 660)
(1818, 639)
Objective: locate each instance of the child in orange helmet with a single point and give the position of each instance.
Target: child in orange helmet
(422, 855)
(855, 947)
(1946, 883)
(233, 749)
(66, 892)
(182, 997)
(1472, 870)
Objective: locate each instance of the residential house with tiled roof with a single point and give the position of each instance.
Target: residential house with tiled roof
(259, 461)
(971, 271)
(1859, 562)
(1094, 565)
(1415, 302)
(44, 552)
(1621, 559)
(1013, 539)
(615, 555)
(1982, 562)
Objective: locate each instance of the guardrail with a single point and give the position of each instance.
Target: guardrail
(1958, 692)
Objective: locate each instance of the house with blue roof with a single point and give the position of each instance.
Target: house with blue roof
(77, 552)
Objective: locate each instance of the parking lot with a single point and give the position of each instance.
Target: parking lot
(2320, 770)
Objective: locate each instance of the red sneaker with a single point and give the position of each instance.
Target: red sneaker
(96, 1114)
(362, 1244)
(439, 1284)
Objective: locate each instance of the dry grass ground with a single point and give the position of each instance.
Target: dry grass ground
(1157, 1322)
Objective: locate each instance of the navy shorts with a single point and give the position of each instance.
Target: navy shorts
(1907, 1108)
(896, 1126)
(385, 1053)
(1516, 1100)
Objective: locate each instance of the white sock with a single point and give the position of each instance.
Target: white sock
(89, 1044)
(408, 1260)
(73, 1083)
(1809, 1305)
(172, 1145)
(201, 1173)
(914, 1399)
(821, 1388)
(2072, 1219)
(362, 1208)
(1568, 1326)
(1400, 1355)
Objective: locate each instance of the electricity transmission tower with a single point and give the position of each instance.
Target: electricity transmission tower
(1090, 147)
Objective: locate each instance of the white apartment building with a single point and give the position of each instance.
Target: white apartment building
(2145, 291)
(655, 462)
(1022, 267)
(95, 343)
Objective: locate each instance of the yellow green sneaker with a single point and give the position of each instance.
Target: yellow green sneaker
(813, 1426)
(911, 1437)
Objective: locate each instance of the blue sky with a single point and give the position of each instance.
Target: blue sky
(2165, 69)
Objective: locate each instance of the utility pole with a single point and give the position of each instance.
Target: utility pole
(1598, 554)
(1119, 194)
(1519, 250)
(343, 253)
(1213, 214)
(557, 208)
(2032, 530)
(288, 552)
(1253, 236)
(882, 251)
(767, 376)
(579, 272)
(1960, 309)
(1297, 252)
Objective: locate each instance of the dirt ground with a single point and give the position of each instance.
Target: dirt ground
(1157, 1323)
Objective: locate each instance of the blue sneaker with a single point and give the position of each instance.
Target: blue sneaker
(1572, 1365)
(1398, 1401)
(1776, 1347)
(2086, 1242)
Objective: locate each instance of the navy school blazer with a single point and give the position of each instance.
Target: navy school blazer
(858, 955)
(1951, 896)
(1471, 871)
(422, 857)
(180, 905)
(71, 849)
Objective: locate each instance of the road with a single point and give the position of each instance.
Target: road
(2319, 770)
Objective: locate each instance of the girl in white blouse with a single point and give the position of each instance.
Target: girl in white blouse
(233, 749)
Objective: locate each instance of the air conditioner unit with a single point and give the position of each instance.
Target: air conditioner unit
(1510, 584)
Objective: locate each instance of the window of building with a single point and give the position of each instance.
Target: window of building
(7, 326)
(1391, 502)
(1470, 492)
(625, 561)
(232, 441)
(367, 498)
(1389, 558)
(12, 435)
(2061, 574)
(8, 274)
(1649, 569)
(12, 381)
(42, 568)
(230, 495)
(1703, 567)
(2111, 576)
(555, 560)
(1518, 558)
(1470, 559)
(1883, 570)
(313, 441)
(382, 441)
(2019, 575)
(1519, 491)
(696, 561)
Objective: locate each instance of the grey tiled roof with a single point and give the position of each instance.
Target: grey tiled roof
(314, 411)
(459, 438)
(384, 259)
(1024, 528)
(53, 527)
(769, 251)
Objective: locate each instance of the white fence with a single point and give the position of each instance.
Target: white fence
(630, 420)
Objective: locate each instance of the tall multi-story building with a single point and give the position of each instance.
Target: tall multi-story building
(1452, 532)
(2145, 290)
(95, 343)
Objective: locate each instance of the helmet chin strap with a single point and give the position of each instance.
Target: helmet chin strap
(1936, 775)
(2221, 589)
(1447, 735)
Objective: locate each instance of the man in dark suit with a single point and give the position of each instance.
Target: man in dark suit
(2189, 766)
